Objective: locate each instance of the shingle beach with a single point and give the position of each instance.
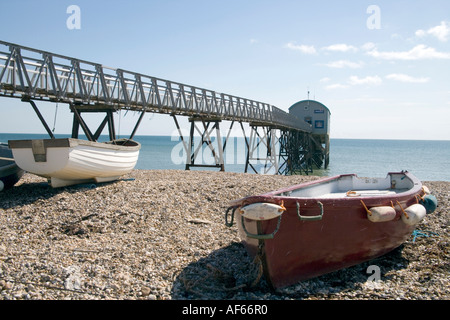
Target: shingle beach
(160, 235)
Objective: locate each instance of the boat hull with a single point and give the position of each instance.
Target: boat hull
(341, 237)
(73, 161)
(10, 173)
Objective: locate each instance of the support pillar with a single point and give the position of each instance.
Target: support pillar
(262, 148)
(296, 152)
(78, 122)
(38, 113)
(284, 159)
(195, 151)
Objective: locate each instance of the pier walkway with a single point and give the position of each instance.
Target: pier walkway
(32, 75)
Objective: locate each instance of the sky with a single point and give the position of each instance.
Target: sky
(381, 67)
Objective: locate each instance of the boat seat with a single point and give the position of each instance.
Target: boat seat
(368, 193)
(358, 193)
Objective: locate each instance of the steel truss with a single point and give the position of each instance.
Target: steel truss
(40, 75)
(262, 147)
(296, 152)
(205, 131)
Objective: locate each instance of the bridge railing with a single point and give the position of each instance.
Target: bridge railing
(289, 120)
(46, 76)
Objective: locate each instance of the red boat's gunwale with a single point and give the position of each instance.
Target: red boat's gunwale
(344, 237)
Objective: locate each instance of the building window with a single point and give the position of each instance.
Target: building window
(308, 119)
(319, 124)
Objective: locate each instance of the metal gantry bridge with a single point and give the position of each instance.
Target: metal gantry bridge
(33, 75)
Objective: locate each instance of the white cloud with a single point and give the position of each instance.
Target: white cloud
(406, 78)
(441, 32)
(253, 41)
(355, 81)
(341, 47)
(302, 48)
(375, 80)
(421, 33)
(326, 79)
(336, 86)
(368, 46)
(419, 52)
(344, 64)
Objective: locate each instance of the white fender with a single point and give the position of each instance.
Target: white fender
(414, 214)
(262, 211)
(381, 214)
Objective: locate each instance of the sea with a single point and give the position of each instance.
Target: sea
(428, 160)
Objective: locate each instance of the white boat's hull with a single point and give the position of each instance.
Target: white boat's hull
(72, 161)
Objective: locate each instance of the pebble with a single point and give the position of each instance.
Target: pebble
(161, 234)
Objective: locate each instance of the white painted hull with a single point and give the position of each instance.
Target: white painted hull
(72, 161)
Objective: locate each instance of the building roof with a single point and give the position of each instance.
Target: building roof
(307, 101)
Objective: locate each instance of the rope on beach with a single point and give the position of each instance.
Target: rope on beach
(258, 262)
(226, 280)
(419, 233)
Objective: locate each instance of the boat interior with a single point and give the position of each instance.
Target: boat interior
(345, 186)
(123, 142)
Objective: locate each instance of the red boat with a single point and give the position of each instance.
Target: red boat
(332, 223)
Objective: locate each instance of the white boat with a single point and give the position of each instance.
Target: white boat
(70, 161)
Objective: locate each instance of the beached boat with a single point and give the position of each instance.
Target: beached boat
(71, 161)
(10, 173)
(332, 223)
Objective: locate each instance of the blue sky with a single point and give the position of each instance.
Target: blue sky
(383, 71)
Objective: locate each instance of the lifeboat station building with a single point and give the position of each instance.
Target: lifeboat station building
(318, 116)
